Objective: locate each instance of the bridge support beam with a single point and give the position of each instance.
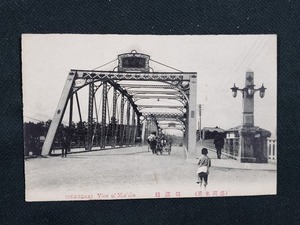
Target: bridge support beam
(133, 130)
(128, 123)
(90, 117)
(60, 110)
(122, 120)
(191, 145)
(103, 123)
(70, 120)
(113, 118)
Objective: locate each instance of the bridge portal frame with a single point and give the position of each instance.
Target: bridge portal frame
(77, 79)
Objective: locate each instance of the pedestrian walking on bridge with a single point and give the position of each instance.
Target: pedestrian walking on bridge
(152, 142)
(65, 145)
(219, 144)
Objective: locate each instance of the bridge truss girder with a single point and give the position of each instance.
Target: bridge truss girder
(78, 79)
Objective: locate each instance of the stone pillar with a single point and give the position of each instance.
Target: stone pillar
(248, 101)
(252, 139)
(247, 144)
(247, 130)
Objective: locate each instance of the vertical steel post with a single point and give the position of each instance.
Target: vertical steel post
(138, 127)
(96, 125)
(103, 124)
(113, 118)
(121, 120)
(186, 136)
(133, 127)
(128, 121)
(90, 117)
(78, 107)
(192, 118)
(70, 120)
(144, 131)
(80, 129)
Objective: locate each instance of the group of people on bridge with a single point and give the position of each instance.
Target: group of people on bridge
(158, 143)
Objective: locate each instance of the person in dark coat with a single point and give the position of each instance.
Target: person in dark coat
(219, 144)
(65, 144)
(152, 140)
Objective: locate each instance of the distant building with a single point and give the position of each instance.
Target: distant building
(211, 132)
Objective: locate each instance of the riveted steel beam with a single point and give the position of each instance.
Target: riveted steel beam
(156, 96)
(113, 118)
(59, 112)
(172, 128)
(177, 85)
(168, 119)
(148, 86)
(103, 124)
(128, 123)
(90, 116)
(121, 120)
(133, 130)
(165, 115)
(137, 92)
(149, 76)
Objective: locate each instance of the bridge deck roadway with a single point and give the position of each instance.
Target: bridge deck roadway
(136, 173)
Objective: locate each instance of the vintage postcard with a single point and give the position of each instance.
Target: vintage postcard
(149, 116)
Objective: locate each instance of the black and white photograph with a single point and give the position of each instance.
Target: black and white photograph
(116, 117)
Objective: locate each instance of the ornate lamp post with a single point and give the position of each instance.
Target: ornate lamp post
(248, 98)
(249, 90)
(252, 144)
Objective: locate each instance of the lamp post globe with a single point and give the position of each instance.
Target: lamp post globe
(262, 91)
(234, 90)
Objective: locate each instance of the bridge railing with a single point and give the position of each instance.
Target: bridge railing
(272, 150)
(231, 146)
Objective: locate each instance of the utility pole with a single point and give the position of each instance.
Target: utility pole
(199, 128)
(199, 123)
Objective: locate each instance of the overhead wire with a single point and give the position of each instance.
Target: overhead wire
(104, 64)
(28, 117)
(262, 47)
(252, 53)
(166, 65)
(239, 63)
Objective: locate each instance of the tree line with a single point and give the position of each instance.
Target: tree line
(35, 133)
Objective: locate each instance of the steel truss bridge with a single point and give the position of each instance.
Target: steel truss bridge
(126, 104)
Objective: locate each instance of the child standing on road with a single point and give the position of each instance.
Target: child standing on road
(203, 170)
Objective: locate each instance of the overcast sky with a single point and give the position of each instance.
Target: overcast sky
(219, 60)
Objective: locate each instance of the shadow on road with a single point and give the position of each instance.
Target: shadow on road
(86, 155)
